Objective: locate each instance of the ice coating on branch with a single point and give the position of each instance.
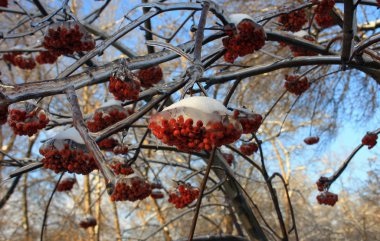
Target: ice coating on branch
(236, 18)
(70, 134)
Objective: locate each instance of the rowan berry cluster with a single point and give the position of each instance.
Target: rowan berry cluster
(120, 168)
(322, 183)
(302, 51)
(293, 21)
(131, 189)
(189, 136)
(370, 140)
(66, 184)
(88, 222)
(150, 76)
(67, 38)
(229, 158)
(108, 144)
(322, 13)
(126, 89)
(250, 123)
(105, 117)
(72, 157)
(183, 195)
(46, 57)
(248, 38)
(26, 119)
(19, 60)
(249, 149)
(296, 84)
(157, 194)
(327, 198)
(3, 114)
(120, 150)
(311, 140)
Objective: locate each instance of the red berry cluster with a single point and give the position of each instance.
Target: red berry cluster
(249, 149)
(150, 76)
(131, 189)
(249, 37)
(311, 140)
(67, 38)
(88, 222)
(157, 194)
(322, 13)
(229, 158)
(108, 144)
(66, 184)
(3, 3)
(120, 150)
(121, 168)
(21, 61)
(105, 117)
(322, 183)
(47, 57)
(26, 123)
(188, 137)
(295, 84)
(3, 114)
(327, 198)
(68, 159)
(293, 21)
(183, 195)
(250, 123)
(124, 90)
(370, 140)
(301, 51)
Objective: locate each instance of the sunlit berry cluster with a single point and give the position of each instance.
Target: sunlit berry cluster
(370, 140)
(19, 60)
(66, 184)
(120, 150)
(183, 195)
(67, 38)
(249, 37)
(311, 140)
(293, 21)
(189, 136)
(3, 114)
(120, 168)
(26, 121)
(88, 222)
(302, 51)
(296, 84)
(250, 122)
(70, 158)
(327, 198)
(105, 117)
(131, 189)
(322, 183)
(126, 89)
(249, 149)
(150, 76)
(108, 144)
(322, 13)
(46, 57)
(229, 158)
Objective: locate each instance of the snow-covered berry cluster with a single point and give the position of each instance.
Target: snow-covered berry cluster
(66, 38)
(122, 87)
(66, 184)
(293, 21)
(20, 60)
(248, 38)
(249, 122)
(131, 188)
(302, 51)
(26, 119)
(327, 198)
(106, 116)
(322, 183)
(88, 222)
(370, 140)
(296, 84)
(311, 140)
(150, 76)
(249, 149)
(183, 195)
(322, 13)
(120, 168)
(47, 57)
(194, 124)
(229, 158)
(3, 114)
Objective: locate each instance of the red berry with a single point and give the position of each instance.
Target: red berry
(311, 140)
(66, 184)
(370, 140)
(249, 149)
(327, 198)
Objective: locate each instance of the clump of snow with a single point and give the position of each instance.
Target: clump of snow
(301, 34)
(236, 18)
(111, 102)
(70, 134)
